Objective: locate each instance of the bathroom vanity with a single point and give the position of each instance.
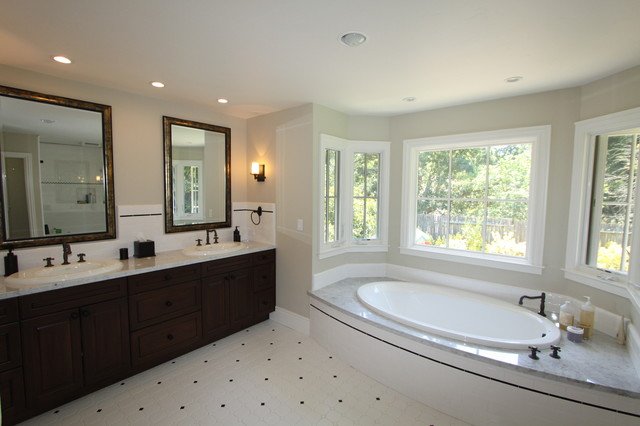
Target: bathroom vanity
(57, 345)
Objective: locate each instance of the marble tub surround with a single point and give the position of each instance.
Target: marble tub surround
(134, 266)
(599, 364)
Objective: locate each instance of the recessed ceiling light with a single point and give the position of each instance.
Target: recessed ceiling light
(157, 84)
(223, 101)
(409, 99)
(353, 39)
(62, 59)
(514, 79)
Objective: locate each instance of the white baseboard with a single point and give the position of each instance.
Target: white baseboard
(355, 270)
(291, 320)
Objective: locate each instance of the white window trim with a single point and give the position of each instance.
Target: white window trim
(540, 136)
(581, 186)
(345, 243)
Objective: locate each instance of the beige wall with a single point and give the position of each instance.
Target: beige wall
(289, 179)
(610, 94)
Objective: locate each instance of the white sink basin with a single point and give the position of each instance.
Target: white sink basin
(214, 249)
(58, 273)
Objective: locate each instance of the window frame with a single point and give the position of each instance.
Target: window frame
(345, 242)
(179, 189)
(539, 137)
(576, 268)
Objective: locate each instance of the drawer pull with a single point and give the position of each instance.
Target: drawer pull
(168, 303)
(74, 315)
(170, 336)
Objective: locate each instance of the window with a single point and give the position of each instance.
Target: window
(187, 176)
(600, 248)
(353, 188)
(477, 198)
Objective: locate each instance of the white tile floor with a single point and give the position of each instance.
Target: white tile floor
(265, 375)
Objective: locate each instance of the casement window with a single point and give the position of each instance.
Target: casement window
(187, 187)
(477, 198)
(600, 248)
(354, 195)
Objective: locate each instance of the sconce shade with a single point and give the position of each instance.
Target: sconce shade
(257, 170)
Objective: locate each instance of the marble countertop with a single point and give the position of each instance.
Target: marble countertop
(600, 363)
(133, 266)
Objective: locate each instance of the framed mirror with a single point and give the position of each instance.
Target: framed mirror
(57, 170)
(197, 175)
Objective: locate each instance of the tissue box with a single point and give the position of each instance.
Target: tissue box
(144, 248)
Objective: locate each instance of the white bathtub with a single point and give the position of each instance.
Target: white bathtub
(459, 314)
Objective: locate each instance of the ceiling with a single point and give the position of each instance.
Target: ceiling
(268, 55)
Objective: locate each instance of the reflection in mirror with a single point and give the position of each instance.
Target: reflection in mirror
(197, 175)
(57, 175)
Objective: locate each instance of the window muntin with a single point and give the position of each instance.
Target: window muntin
(474, 199)
(331, 195)
(366, 176)
(615, 170)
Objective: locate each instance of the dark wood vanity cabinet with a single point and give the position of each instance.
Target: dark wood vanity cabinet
(61, 344)
(69, 352)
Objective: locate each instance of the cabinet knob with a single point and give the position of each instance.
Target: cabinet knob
(170, 336)
(85, 312)
(74, 315)
(168, 303)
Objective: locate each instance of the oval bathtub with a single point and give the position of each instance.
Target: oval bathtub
(458, 314)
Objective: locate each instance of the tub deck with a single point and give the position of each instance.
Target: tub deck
(600, 363)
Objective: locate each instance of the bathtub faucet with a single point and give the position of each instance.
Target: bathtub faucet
(541, 297)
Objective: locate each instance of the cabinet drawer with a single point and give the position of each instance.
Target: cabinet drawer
(72, 297)
(268, 256)
(8, 310)
(265, 303)
(164, 278)
(160, 342)
(10, 353)
(159, 305)
(223, 266)
(264, 277)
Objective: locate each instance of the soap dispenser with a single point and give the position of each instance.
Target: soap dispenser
(10, 263)
(236, 235)
(587, 318)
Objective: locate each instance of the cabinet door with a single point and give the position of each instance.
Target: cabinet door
(12, 392)
(52, 355)
(240, 299)
(215, 306)
(105, 339)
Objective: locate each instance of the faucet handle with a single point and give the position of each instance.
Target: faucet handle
(534, 352)
(81, 257)
(555, 350)
(199, 242)
(48, 260)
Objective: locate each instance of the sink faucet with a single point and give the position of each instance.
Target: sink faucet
(215, 236)
(542, 299)
(66, 251)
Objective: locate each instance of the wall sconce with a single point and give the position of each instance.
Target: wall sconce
(257, 170)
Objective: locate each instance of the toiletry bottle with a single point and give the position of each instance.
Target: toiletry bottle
(587, 318)
(10, 263)
(236, 235)
(566, 315)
